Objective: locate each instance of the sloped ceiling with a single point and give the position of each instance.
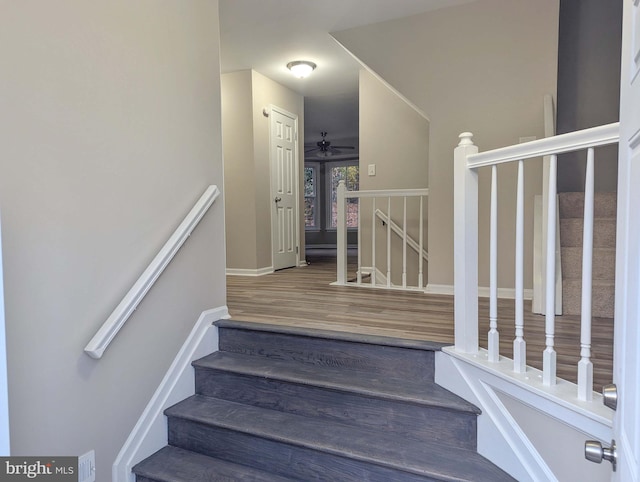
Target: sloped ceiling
(265, 35)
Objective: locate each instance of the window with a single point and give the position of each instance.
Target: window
(349, 172)
(311, 196)
(321, 193)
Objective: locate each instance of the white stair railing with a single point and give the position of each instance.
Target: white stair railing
(540, 233)
(397, 230)
(467, 162)
(107, 332)
(402, 231)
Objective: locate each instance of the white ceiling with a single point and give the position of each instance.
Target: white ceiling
(264, 35)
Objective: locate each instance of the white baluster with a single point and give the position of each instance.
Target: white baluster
(549, 354)
(585, 366)
(421, 261)
(373, 241)
(342, 233)
(493, 335)
(389, 242)
(404, 245)
(519, 344)
(359, 273)
(465, 247)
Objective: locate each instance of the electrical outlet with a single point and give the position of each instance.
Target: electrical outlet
(87, 467)
(372, 170)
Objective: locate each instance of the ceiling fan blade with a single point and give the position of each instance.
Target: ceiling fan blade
(344, 147)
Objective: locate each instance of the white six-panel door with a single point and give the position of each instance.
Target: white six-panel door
(284, 188)
(627, 315)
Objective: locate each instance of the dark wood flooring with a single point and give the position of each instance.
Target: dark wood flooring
(304, 297)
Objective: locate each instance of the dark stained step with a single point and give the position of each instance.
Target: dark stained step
(420, 410)
(414, 359)
(316, 449)
(173, 464)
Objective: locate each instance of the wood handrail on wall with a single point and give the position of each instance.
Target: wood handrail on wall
(107, 332)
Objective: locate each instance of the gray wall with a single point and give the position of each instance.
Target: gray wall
(589, 41)
(482, 67)
(394, 137)
(109, 133)
(247, 166)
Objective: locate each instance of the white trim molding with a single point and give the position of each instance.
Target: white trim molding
(4, 383)
(250, 272)
(150, 432)
(110, 328)
(503, 434)
(572, 141)
(483, 291)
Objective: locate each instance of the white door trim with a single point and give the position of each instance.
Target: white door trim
(626, 358)
(4, 382)
(296, 176)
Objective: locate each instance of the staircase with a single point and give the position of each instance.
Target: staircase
(571, 209)
(279, 403)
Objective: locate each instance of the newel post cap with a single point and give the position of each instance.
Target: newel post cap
(466, 139)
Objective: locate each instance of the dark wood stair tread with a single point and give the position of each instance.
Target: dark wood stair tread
(332, 335)
(173, 464)
(358, 382)
(384, 449)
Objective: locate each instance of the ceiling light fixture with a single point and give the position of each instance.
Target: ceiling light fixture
(301, 68)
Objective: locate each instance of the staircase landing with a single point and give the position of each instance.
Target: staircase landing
(303, 297)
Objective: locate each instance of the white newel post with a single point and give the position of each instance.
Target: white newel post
(342, 233)
(465, 246)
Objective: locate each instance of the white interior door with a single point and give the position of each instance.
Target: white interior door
(627, 314)
(284, 188)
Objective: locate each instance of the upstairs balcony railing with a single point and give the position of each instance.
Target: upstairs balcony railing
(467, 163)
(391, 226)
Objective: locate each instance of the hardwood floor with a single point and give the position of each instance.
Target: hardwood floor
(304, 297)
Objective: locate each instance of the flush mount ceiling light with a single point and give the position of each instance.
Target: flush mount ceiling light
(301, 68)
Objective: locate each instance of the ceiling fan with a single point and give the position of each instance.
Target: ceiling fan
(324, 147)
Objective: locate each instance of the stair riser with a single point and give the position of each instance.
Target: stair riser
(604, 233)
(602, 303)
(571, 205)
(278, 457)
(603, 267)
(385, 360)
(414, 421)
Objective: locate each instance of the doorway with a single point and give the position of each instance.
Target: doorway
(284, 188)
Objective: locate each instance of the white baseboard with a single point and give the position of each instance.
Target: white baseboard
(483, 291)
(150, 432)
(249, 272)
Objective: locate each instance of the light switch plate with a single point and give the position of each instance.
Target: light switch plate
(372, 170)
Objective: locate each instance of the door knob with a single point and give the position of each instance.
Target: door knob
(610, 396)
(595, 452)
(278, 199)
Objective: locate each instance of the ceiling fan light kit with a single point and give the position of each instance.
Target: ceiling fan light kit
(325, 149)
(301, 68)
